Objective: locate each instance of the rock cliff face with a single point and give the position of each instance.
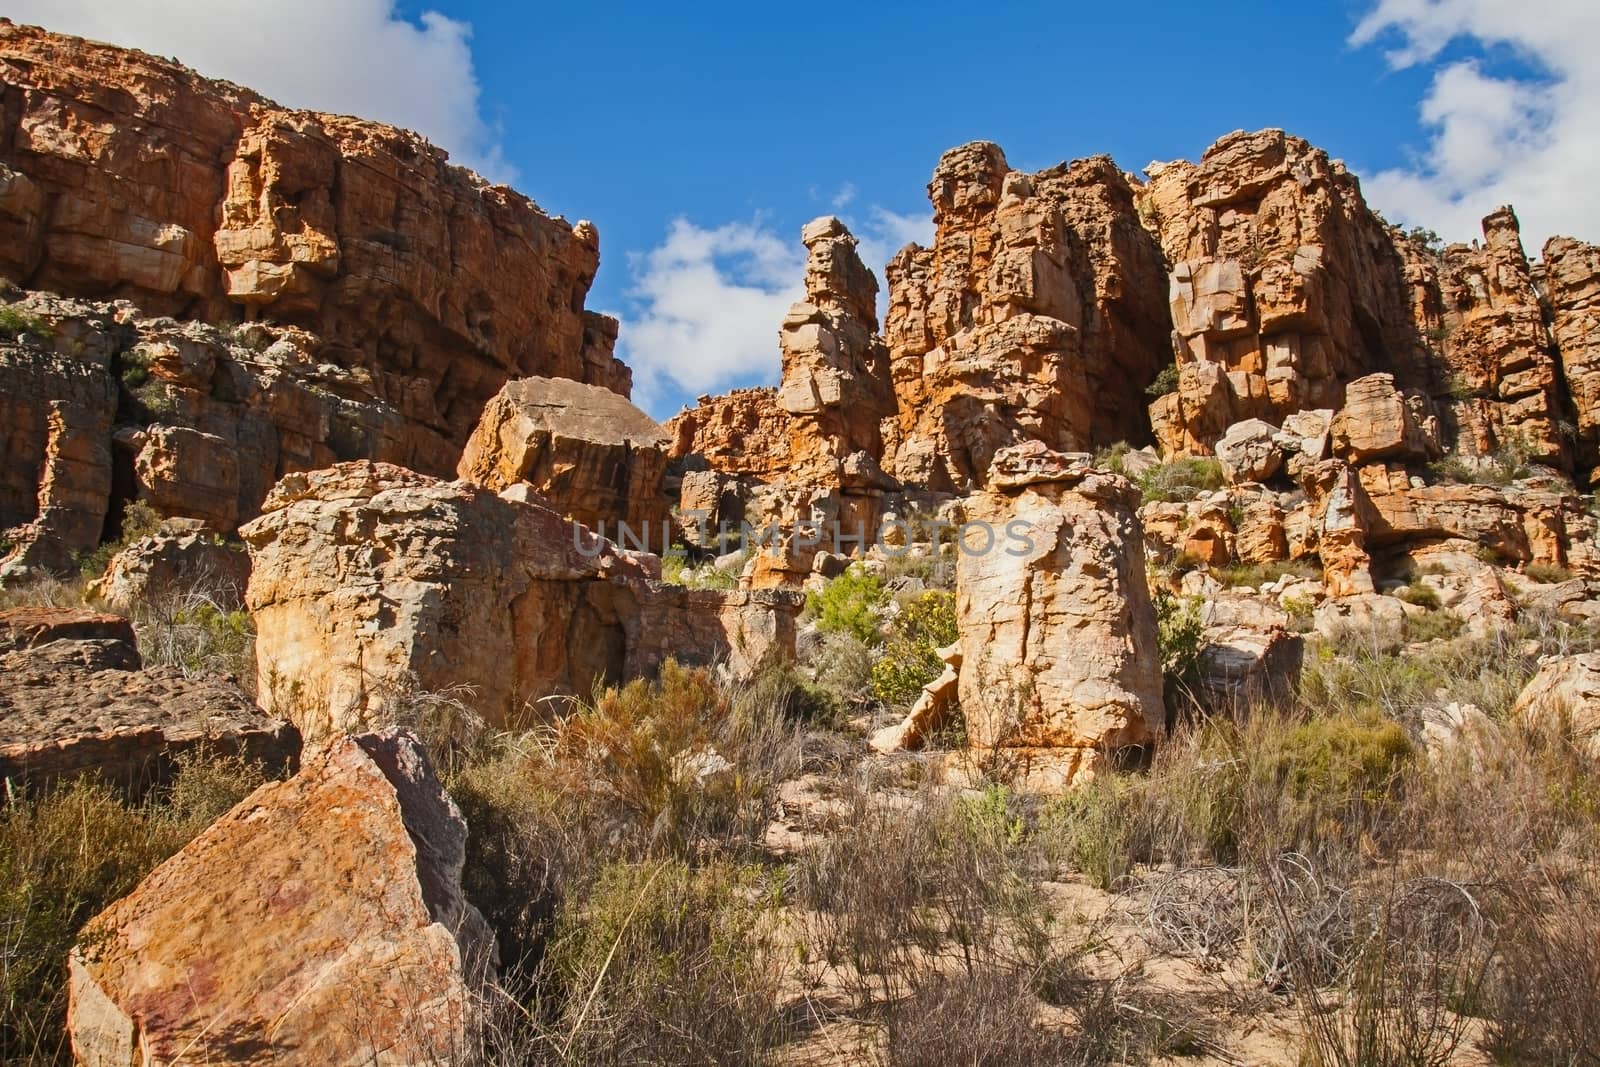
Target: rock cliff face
(337, 290)
(125, 175)
(1033, 316)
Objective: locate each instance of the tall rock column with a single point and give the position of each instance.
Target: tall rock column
(1572, 291)
(1026, 320)
(1060, 671)
(835, 381)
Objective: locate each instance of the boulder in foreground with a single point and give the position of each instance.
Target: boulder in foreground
(321, 921)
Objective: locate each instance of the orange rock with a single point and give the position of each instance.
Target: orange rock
(592, 455)
(320, 921)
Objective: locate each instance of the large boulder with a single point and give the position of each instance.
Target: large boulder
(1057, 632)
(74, 700)
(173, 562)
(370, 583)
(321, 921)
(1249, 452)
(1564, 696)
(595, 457)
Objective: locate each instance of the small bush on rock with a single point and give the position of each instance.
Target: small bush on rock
(1181, 479)
(852, 603)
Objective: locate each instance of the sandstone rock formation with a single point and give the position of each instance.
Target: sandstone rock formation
(175, 561)
(1059, 669)
(127, 175)
(835, 385)
(73, 700)
(372, 297)
(1035, 315)
(270, 939)
(1571, 281)
(1564, 697)
(370, 583)
(593, 456)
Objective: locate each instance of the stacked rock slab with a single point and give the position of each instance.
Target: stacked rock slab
(1501, 376)
(1026, 320)
(1059, 668)
(320, 921)
(74, 700)
(1283, 286)
(812, 446)
(370, 584)
(593, 456)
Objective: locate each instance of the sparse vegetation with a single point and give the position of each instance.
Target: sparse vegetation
(910, 658)
(65, 855)
(1165, 382)
(15, 322)
(139, 520)
(852, 603)
(1181, 479)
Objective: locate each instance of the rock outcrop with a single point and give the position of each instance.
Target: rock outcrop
(370, 583)
(271, 939)
(591, 455)
(1564, 699)
(1059, 670)
(835, 387)
(74, 700)
(176, 561)
(365, 299)
(1571, 283)
(1034, 316)
(127, 175)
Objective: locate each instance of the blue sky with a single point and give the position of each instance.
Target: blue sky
(699, 139)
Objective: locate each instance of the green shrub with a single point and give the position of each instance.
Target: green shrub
(1434, 626)
(14, 322)
(1549, 573)
(910, 657)
(135, 369)
(1181, 479)
(852, 603)
(139, 520)
(1342, 757)
(1165, 382)
(1092, 829)
(1254, 575)
(1421, 594)
(1301, 611)
(1180, 635)
(1111, 457)
(677, 570)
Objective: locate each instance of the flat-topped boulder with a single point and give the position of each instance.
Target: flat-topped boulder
(75, 700)
(591, 454)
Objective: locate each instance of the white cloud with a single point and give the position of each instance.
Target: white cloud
(883, 233)
(1530, 141)
(846, 193)
(708, 302)
(356, 57)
